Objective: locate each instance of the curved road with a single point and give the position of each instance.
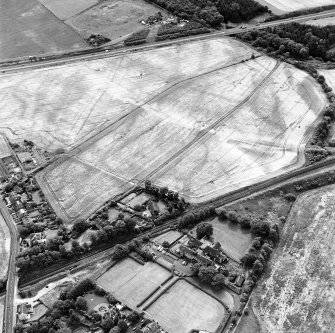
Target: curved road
(9, 312)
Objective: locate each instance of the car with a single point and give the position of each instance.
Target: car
(243, 26)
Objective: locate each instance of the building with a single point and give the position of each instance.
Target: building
(24, 157)
(203, 260)
(239, 281)
(194, 243)
(187, 252)
(25, 310)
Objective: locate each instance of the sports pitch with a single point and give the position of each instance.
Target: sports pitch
(184, 307)
(130, 282)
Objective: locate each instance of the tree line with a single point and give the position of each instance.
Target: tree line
(213, 13)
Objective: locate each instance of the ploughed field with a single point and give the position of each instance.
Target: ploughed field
(297, 294)
(192, 117)
(281, 6)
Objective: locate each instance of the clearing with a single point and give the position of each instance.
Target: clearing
(27, 28)
(200, 120)
(184, 307)
(130, 282)
(282, 6)
(114, 18)
(297, 294)
(4, 248)
(234, 240)
(64, 9)
(322, 21)
(170, 236)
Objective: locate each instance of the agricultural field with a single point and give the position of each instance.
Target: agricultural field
(185, 307)
(28, 28)
(264, 137)
(297, 293)
(64, 9)
(131, 282)
(197, 126)
(283, 6)
(234, 240)
(69, 103)
(4, 248)
(113, 18)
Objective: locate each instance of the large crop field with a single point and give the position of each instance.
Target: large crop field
(184, 307)
(197, 120)
(131, 282)
(28, 28)
(297, 294)
(280, 6)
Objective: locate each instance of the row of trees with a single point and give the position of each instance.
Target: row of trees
(213, 13)
(295, 40)
(193, 218)
(122, 250)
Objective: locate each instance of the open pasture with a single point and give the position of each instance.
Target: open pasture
(184, 307)
(297, 294)
(130, 282)
(27, 28)
(113, 18)
(69, 103)
(64, 9)
(283, 6)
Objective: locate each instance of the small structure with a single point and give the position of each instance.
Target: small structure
(25, 310)
(239, 281)
(24, 157)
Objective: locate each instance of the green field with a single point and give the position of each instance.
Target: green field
(131, 282)
(28, 28)
(184, 307)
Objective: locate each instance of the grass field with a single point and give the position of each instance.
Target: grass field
(28, 28)
(234, 240)
(200, 121)
(297, 293)
(170, 236)
(131, 282)
(4, 248)
(280, 6)
(322, 22)
(184, 307)
(113, 18)
(64, 9)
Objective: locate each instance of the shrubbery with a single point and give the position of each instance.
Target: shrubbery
(138, 37)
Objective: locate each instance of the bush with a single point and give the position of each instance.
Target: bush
(290, 197)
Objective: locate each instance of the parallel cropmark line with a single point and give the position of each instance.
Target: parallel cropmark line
(204, 132)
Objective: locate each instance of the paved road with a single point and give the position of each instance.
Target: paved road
(9, 312)
(111, 51)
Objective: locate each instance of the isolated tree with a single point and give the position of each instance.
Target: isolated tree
(111, 299)
(218, 281)
(206, 274)
(195, 268)
(120, 251)
(107, 324)
(204, 229)
(133, 316)
(81, 303)
(166, 244)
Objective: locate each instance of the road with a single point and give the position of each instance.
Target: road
(9, 312)
(112, 51)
